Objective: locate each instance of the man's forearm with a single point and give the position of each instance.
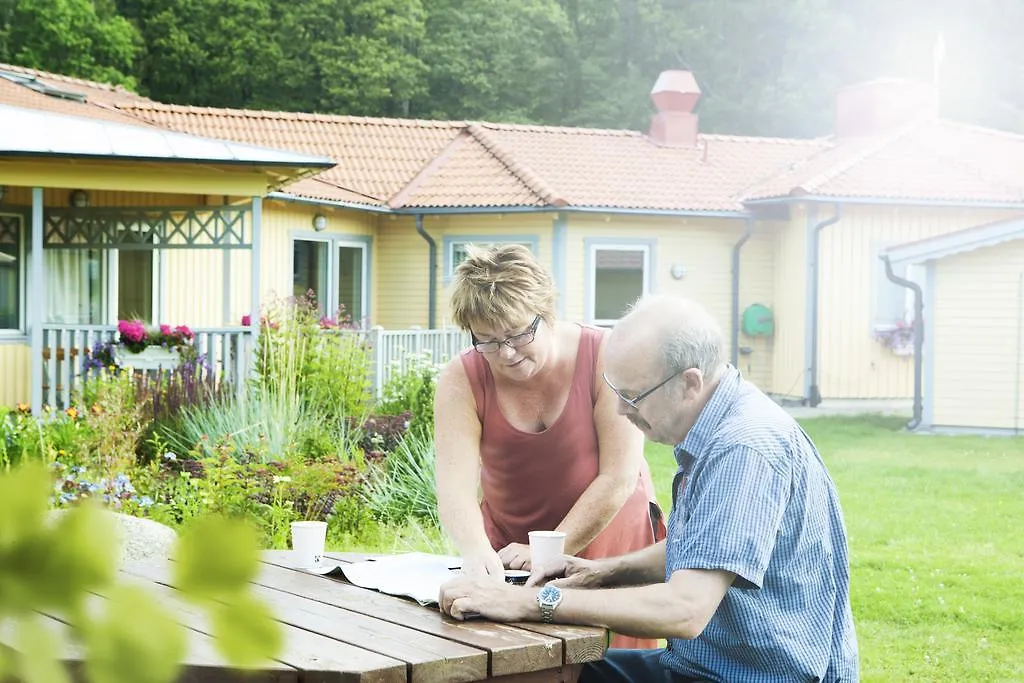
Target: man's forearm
(640, 568)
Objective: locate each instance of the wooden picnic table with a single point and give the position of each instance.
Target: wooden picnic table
(337, 632)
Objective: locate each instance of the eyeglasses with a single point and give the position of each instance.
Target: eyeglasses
(631, 402)
(514, 342)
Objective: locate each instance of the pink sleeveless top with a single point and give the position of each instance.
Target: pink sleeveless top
(531, 480)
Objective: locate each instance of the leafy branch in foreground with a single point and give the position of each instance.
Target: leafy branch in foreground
(53, 570)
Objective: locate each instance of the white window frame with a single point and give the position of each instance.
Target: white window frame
(19, 332)
(531, 242)
(333, 243)
(111, 293)
(646, 247)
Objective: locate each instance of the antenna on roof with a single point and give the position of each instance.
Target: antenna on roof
(938, 55)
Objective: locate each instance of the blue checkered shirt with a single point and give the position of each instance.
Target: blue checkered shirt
(752, 496)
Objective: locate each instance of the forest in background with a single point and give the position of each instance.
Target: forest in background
(766, 67)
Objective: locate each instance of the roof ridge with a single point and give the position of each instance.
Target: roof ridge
(320, 179)
(399, 199)
(521, 171)
(975, 128)
(569, 130)
(871, 149)
(288, 115)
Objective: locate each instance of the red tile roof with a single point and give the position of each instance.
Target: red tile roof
(377, 157)
(410, 164)
(99, 98)
(929, 160)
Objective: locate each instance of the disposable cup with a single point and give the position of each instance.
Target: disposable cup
(308, 539)
(516, 577)
(546, 546)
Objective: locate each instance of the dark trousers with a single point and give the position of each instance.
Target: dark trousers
(631, 666)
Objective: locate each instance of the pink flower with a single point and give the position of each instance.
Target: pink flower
(246, 320)
(165, 329)
(132, 330)
(184, 331)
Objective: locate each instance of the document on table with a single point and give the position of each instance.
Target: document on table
(414, 575)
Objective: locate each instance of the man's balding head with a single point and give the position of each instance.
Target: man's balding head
(677, 332)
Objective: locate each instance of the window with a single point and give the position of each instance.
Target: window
(135, 285)
(456, 249)
(619, 275)
(10, 272)
(336, 272)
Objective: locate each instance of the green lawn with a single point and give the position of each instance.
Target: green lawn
(937, 554)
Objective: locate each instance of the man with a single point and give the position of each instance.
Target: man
(752, 583)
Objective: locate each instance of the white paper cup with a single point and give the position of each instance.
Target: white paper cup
(308, 539)
(546, 546)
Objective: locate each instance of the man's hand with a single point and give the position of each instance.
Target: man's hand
(466, 596)
(515, 556)
(569, 572)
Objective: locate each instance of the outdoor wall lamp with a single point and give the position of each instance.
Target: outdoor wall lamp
(79, 199)
(319, 222)
(678, 271)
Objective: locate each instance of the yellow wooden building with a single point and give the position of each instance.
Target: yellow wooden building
(780, 238)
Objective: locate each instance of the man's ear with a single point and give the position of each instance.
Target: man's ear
(693, 382)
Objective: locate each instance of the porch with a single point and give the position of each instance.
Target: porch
(227, 353)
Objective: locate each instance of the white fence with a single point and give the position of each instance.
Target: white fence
(228, 350)
(393, 351)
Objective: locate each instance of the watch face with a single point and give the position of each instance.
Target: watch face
(549, 594)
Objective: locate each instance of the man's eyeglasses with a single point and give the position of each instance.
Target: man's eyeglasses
(631, 402)
(514, 342)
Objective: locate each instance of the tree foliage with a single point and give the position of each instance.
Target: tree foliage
(767, 67)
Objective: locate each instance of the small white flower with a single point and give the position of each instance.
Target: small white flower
(282, 480)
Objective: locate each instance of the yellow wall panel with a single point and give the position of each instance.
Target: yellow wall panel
(15, 375)
(852, 365)
(790, 292)
(976, 337)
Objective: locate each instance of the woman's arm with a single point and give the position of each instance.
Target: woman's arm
(620, 453)
(457, 447)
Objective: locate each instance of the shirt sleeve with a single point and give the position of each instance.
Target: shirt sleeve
(735, 509)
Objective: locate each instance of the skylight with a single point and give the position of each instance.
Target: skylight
(33, 83)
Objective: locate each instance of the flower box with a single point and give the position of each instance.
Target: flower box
(150, 358)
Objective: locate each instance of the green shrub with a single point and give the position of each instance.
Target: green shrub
(412, 391)
(401, 487)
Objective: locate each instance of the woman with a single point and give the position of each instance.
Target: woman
(525, 416)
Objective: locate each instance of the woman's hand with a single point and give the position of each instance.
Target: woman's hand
(485, 564)
(515, 556)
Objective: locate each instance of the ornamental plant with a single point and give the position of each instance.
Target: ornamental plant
(898, 338)
(135, 336)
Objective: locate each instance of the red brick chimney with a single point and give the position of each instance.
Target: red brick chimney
(675, 95)
(881, 106)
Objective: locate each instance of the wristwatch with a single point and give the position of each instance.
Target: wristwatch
(548, 599)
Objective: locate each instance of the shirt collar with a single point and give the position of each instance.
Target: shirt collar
(709, 417)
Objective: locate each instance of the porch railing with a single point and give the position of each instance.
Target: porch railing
(228, 351)
(68, 348)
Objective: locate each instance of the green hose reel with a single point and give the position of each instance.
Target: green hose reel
(757, 321)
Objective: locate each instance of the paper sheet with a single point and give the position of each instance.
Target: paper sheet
(414, 575)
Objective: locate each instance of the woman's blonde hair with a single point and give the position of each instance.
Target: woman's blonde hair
(501, 286)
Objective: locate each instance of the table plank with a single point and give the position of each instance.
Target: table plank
(581, 643)
(201, 664)
(513, 650)
(430, 658)
(319, 658)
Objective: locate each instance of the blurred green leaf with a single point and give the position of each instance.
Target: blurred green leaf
(134, 640)
(38, 651)
(24, 493)
(246, 632)
(80, 556)
(216, 558)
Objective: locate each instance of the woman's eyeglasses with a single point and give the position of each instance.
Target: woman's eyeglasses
(514, 342)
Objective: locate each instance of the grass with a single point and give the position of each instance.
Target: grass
(937, 560)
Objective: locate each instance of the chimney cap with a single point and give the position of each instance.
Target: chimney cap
(675, 90)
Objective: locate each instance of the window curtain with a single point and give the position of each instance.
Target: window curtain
(73, 286)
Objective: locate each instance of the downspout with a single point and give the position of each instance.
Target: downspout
(432, 273)
(814, 397)
(748, 230)
(918, 339)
